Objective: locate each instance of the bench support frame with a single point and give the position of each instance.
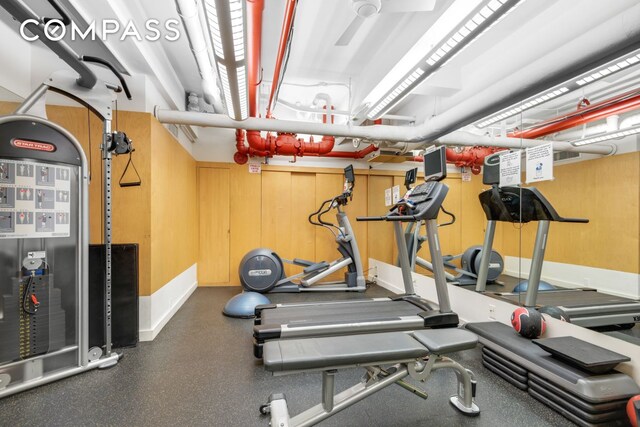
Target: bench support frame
(373, 382)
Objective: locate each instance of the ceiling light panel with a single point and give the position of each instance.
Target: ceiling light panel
(227, 26)
(607, 137)
(584, 79)
(458, 27)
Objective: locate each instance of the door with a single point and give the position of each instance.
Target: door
(213, 200)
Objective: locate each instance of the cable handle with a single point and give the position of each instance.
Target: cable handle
(105, 63)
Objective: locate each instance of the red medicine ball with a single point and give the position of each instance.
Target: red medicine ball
(528, 322)
(633, 410)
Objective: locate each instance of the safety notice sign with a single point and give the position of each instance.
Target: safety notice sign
(539, 163)
(510, 168)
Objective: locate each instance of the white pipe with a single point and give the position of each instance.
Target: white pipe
(367, 132)
(469, 139)
(613, 123)
(327, 104)
(630, 121)
(582, 132)
(188, 11)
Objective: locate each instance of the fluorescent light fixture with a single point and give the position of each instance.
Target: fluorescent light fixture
(463, 22)
(226, 20)
(607, 136)
(607, 69)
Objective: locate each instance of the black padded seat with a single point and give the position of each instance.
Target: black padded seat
(326, 352)
(449, 340)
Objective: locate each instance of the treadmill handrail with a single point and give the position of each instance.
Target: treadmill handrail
(578, 220)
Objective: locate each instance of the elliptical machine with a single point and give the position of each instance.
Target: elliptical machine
(262, 270)
(467, 273)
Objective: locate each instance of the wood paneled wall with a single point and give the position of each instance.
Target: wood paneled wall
(271, 209)
(268, 210)
(174, 226)
(160, 215)
(607, 192)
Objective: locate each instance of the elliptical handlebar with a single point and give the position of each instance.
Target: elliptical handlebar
(323, 212)
(318, 213)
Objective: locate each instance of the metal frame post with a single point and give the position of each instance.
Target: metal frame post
(487, 247)
(536, 263)
(438, 266)
(106, 157)
(403, 256)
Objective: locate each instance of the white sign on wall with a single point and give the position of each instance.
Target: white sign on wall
(539, 163)
(387, 197)
(396, 194)
(510, 168)
(255, 167)
(466, 174)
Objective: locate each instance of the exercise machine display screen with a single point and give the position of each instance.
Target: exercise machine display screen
(435, 165)
(349, 176)
(410, 177)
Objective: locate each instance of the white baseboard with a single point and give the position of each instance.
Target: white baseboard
(157, 309)
(570, 276)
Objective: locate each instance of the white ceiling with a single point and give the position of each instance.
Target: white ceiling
(348, 73)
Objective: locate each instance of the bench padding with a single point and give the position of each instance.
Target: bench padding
(447, 340)
(365, 349)
(318, 353)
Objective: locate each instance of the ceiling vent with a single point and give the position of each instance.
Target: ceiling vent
(561, 156)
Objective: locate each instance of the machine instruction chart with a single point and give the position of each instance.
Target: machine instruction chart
(35, 199)
(540, 163)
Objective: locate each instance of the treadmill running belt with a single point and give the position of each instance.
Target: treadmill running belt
(569, 298)
(336, 313)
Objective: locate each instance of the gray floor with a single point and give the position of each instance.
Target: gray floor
(200, 371)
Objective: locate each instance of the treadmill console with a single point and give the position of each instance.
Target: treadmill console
(422, 202)
(517, 204)
(514, 204)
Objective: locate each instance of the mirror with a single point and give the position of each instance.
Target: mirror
(588, 270)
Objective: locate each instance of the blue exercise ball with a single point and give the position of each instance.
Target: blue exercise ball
(522, 287)
(243, 305)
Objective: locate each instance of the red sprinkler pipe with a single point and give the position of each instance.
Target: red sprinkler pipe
(471, 157)
(254, 43)
(287, 25)
(285, 144)
(282, 144)
(617, 105)
(243, 152)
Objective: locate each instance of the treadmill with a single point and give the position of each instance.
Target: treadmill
(585, 307)
(402, 313)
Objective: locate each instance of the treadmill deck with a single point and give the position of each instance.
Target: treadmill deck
(339, 313)
(567, 298)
